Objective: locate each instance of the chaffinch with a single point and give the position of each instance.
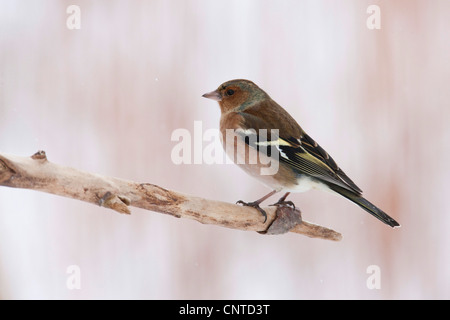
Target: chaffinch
(266, 134)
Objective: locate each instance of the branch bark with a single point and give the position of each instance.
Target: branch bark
(37, 173)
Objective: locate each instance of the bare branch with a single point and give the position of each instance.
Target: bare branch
(37, 173)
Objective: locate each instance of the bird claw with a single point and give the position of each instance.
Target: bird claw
(254, 204)
(283, 203)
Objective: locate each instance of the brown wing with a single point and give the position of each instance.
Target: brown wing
(302, 147)
(318, 152)
(328, 171)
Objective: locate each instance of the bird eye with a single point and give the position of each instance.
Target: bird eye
(230, 92)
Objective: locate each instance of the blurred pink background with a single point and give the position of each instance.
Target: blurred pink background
(106, 98)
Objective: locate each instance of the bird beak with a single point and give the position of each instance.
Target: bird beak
(214, 95)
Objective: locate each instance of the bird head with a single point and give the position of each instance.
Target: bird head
(236, 94)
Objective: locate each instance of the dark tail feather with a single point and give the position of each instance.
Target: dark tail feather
(366, 205)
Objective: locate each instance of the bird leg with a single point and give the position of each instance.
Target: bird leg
(255, 204)
(283, 203)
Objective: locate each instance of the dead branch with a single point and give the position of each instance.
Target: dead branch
(37, 173)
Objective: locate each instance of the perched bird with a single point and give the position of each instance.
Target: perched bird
(246, 110)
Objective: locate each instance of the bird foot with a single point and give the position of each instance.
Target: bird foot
(284, 203)
(254, 204)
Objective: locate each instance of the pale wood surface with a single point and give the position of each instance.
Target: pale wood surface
(37, 173)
